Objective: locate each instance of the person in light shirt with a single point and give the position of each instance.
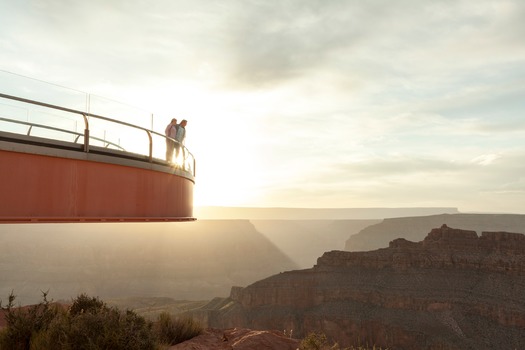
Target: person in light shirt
(179, 137)
(171, 132)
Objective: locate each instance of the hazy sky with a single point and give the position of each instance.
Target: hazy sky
(306, 103)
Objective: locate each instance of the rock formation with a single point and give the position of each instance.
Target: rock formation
(238, 339)
(416, 228)
(453, 290)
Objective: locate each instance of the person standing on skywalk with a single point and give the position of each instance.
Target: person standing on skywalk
(171, 133)
(180, 137)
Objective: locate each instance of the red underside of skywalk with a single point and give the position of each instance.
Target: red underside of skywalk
(41, 188)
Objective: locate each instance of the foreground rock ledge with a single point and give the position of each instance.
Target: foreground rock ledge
(453, 290)
(238, 339)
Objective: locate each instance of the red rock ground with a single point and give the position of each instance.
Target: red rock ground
(239, 339)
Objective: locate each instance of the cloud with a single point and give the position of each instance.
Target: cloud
(404, 181)
(334, 99)
(274, 43)
(121, 41)
(258, 44)
(485, 159)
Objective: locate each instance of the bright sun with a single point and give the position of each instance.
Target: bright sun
(228, 179)
(220, 137)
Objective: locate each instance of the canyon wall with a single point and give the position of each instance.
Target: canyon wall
(415, 228)
(453, 290)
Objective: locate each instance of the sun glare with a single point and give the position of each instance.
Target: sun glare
(223, 134)
(227, 180)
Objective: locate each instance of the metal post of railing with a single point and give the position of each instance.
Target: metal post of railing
(150, 146)
(183, 148)
(86, 133)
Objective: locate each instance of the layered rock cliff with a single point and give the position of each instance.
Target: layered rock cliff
(453, 290)
(415, 228)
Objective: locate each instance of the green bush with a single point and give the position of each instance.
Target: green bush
(318, 341)
(314, 341)
(176, 331)
(23, 323)
(89, 324)
(85, 304)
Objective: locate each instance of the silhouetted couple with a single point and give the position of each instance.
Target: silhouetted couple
(176, 134)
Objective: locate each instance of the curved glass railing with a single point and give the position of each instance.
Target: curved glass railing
(38, 119)
(77, 135)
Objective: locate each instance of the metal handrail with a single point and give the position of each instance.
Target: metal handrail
(78, 134)
(185, 150)
(87, 130)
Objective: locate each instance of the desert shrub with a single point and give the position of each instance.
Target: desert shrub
(56, 334)
(88, 325)
(108, 328)
(314, 341)
(23, 323)
(85, 304)
(319, 341)
(176, 331)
